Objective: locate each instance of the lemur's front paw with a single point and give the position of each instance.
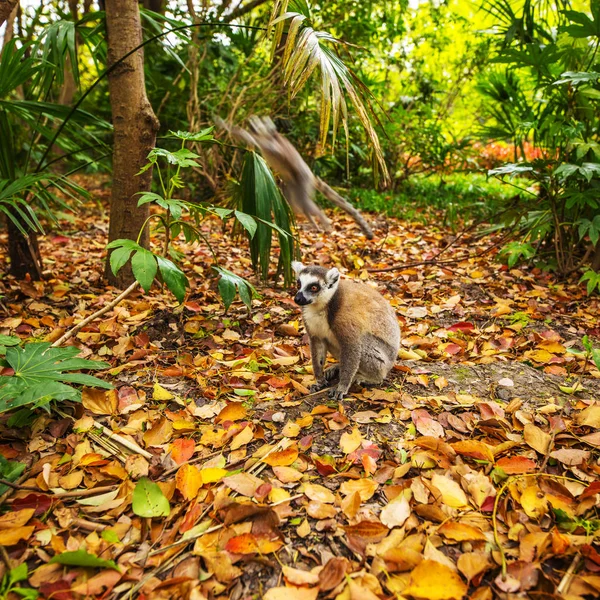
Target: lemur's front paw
(337, 394)
(317, 387)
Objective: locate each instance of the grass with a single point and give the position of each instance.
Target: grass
(459, 196)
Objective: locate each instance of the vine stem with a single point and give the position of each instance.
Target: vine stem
(74, 330)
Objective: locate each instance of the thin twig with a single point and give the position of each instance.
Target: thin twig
(74, 330)
(565, 582)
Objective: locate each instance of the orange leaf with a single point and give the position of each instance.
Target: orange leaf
(188, 481)
(234, 411)
(10, 537)
(475, 449)
(16, 518)
(460, 532)
(100, 402)
(517, 465)
(284, 458)
(182, 449)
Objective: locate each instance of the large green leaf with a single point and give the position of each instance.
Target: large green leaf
(173, 276)
(41, 373)
(81, 558)
(144, 268)
(148, 500)
(9, 471)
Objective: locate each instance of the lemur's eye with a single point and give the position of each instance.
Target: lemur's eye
(314, 288)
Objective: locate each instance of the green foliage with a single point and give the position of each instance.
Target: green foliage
(148, 500)
(43, 374)
(230, 282)
(147, 265)
(82, 558)
(9, 588)
(9, 471)
(258, 195)
(592, 280)
(549, 94)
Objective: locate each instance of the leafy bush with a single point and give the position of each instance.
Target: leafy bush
(549, 94)
(147, 265)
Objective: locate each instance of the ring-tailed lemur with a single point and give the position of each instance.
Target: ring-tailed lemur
(350, 320)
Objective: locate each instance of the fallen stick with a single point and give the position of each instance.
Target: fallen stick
(74, 330)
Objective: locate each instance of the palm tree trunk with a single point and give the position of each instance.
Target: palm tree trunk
(135, 127)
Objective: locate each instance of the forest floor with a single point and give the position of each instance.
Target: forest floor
(472, 473)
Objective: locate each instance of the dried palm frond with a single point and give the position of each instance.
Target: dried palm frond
(306, 49)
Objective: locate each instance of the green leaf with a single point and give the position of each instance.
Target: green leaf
(110, 536)
(247, 222)
(227, 291)
(18, 574)
(144, 268)
(173, 276)
(118, 258)
(9, 340)
(81, 558)
(10, 471)
(40, 373)
(148, 500)
(596, 357)
(147, 197)
(200, 136)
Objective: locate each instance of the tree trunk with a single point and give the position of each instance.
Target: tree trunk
(157, 6)
(135, 127)
(9, 30)
(24, 252)
(6, 7)
(596, 259)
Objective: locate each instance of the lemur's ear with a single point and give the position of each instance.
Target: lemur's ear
(332, 276)
(297, 267)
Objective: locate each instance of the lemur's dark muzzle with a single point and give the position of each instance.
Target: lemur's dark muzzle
(300, 299)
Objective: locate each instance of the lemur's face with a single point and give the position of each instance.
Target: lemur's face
(316, 285)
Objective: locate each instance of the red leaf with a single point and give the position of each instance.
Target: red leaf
(517, 465)
(182, 449)
(39, 502)
(591, 490)
(461, 326)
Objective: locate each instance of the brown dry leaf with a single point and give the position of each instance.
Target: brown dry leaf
(242, 438)
(245, 484)
(365, 487)
(287, 474)
(396, 512)
(460, 532)
(426, 425)
(537, 439)
(333, 573)
(16, 518)
(291, 593)
(433, 581)
(299, 577)
(351, 504)
(320, 510)
(320, 493)
(72, 480)
(160, 433)
(571, 456)
(589, 417)
(100, 402)
(451, 492)
(472, 564)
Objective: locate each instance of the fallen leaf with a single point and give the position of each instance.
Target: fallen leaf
(537, 439)
(430, 580)
(452, 493)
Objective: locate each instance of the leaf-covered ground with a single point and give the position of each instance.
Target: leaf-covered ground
(473, 474)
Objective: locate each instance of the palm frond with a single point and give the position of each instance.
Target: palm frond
(306, 49)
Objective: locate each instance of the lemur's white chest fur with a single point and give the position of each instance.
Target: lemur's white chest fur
(315, 321)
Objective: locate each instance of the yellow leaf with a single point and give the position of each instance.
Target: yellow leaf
(539, 440)
(278, 495)
(242, 438)
(365, 488)
(538, 356)
(320, 493)
(16, 518)
(287, 474)
(349, 442)
(212, 474)
(188, 481)
(159, 393)
(291, 430)
(100, 402)
(433, 581)
(534, 502)
(10, 537)
(452, 493)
